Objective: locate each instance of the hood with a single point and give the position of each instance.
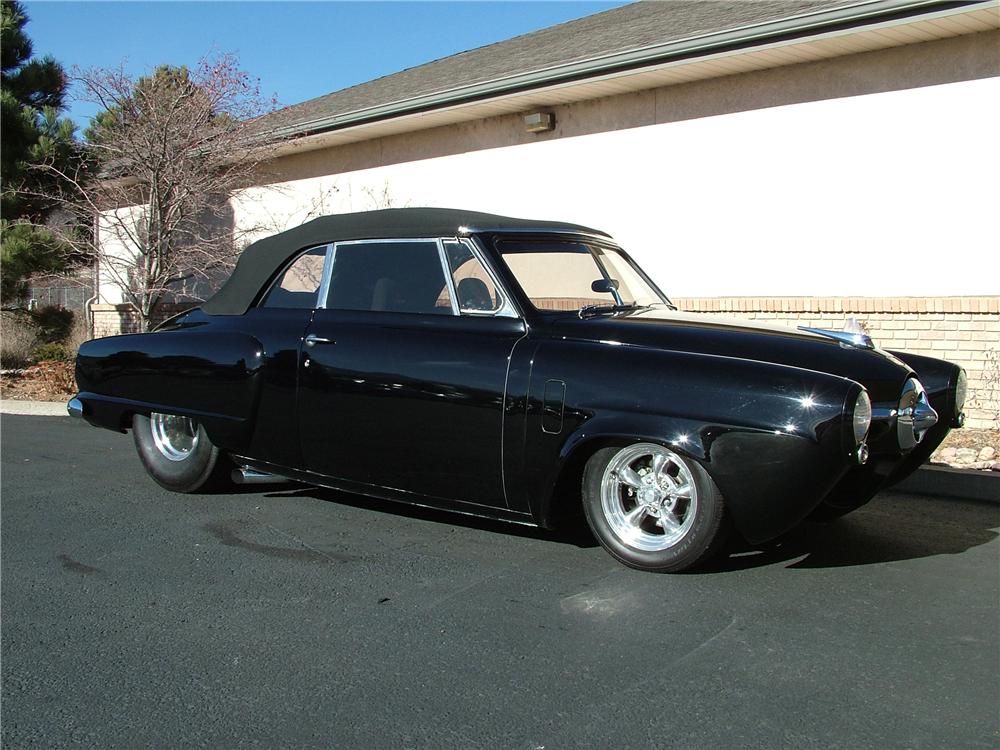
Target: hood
(881, 373)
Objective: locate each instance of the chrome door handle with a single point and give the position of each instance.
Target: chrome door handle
(313, 340)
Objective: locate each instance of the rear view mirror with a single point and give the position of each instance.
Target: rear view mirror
(604, 286)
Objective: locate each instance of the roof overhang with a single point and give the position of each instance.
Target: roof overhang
(861, 27)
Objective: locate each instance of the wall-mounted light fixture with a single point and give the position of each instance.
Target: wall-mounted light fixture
(539, 122)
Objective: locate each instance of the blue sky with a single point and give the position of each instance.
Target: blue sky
(299, 50)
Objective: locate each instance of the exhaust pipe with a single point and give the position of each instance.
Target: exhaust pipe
(246, 475)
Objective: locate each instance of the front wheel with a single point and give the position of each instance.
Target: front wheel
(653, 509)
(177, 453)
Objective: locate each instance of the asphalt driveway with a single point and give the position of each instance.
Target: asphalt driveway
(291, 617)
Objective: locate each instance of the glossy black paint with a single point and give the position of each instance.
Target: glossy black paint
(727, 413)
(212, 375)
(407, 401)
(496, 415)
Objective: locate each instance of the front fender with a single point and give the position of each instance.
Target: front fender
(774, 438)
(769, 479)
(939, 378)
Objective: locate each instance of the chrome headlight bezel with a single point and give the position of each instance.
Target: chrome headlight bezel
(915, 415)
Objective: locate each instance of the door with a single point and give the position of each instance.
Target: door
(402, 372)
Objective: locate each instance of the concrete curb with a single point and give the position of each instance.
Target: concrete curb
(34, 408)
(938, 481)
(943, 481)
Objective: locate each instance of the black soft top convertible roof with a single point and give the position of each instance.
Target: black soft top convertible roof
(263, 258)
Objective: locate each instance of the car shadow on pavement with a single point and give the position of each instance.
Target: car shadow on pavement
(892, 527)
(572, 529)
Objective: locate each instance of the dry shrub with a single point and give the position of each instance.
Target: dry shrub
(50, 379)
(985, 396)
(18, 338)
(79, 333)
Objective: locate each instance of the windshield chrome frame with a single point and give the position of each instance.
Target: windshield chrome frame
(590, 242)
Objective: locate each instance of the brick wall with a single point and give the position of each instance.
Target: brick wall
(963, 330)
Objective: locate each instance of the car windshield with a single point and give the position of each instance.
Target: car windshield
(573, 275)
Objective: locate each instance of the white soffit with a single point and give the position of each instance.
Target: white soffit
(942, 25)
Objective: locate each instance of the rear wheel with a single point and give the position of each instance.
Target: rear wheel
(651, 508)
(177, 453)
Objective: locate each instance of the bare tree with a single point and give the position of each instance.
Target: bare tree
(159, 166)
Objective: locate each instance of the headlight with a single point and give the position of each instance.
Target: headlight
(862, 416)
(961, 390)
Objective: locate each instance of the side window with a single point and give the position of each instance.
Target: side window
(298, 286)
(399, 276)
(474, 288)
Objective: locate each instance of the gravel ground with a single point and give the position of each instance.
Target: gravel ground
(970, 449)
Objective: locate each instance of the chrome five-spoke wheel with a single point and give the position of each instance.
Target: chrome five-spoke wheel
(648, 497)
(652, 508)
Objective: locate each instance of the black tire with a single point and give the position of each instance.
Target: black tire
(201, 468)
(701, 526)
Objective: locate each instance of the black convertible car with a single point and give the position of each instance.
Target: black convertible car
(514, 369)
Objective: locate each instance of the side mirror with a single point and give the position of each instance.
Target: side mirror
(604, 286)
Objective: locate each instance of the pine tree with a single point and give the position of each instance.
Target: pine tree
(32, 94)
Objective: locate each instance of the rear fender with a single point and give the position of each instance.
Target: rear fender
(211, 376)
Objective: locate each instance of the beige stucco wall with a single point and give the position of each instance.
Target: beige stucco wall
(880, 194)
(965, 58)
(736, 185)
(863, 156)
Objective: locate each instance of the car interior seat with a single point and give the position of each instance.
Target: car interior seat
(473, 294)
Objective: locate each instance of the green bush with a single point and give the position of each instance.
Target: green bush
(51, 351)
(54, 323)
